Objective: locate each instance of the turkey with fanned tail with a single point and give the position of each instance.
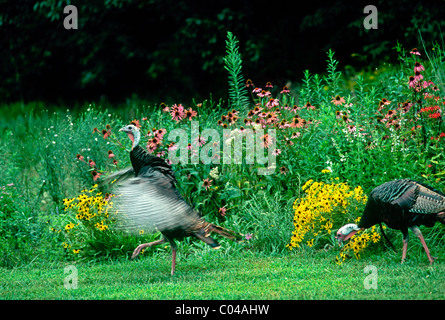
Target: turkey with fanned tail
(147, 199)
(400, 204)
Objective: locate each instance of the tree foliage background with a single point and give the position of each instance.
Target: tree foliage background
(165, 49)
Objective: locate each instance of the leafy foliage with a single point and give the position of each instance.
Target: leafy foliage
(233, 64)
(396, 112)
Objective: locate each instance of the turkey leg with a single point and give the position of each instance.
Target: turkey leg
(174, 247)
(145, 245)
(418, 233)
(405, 245)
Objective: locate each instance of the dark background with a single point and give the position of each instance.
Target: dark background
(172, 50)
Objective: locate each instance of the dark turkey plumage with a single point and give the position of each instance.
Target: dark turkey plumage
(147, 199)
(401, 204)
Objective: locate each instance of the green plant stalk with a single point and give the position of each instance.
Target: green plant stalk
(238, 95)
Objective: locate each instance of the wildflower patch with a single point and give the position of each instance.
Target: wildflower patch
(89, 217)
(326, 206)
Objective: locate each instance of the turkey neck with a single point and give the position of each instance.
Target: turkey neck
(135, 137)
(139, 158)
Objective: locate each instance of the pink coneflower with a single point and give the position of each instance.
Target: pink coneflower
(207, 183)
(284, 170)
(172, 146)
(153, 143)
(415, 51)
(264, 93)
(295, 108)
(297, 122)
(418, 76)
(385, 101)
(136, 123)
(269, 85)
(91, 163)
(272, 103)
(151, 148)
(266, 140)
(285, 90)
(222, 211)
(110, 154)
(177, 115)
(249, 83)
(115, 162)
(345, 118)
(105, 133)
(159, 133)
(351, 128)
(276, 152)
(164, 107)
(257, 110)
(338, 115)
(309, 106)
(248, 236)
(295, 135)
(271, 117)
(283, 124)
(418, 67)
(80, 157)
(190, 114)
(257, 90)
(412, 82)
(337, 100)
(95, 175)
(425, 85)
(200, 141)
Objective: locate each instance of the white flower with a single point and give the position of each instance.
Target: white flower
(214, 173)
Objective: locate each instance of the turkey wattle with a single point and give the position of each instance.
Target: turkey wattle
(400, 204)
(147, 199)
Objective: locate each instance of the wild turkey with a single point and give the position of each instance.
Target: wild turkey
(401, 204)
(147, 199)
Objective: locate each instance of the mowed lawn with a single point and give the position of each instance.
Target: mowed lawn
(234, 276)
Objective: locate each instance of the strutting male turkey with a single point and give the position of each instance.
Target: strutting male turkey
(147, 199)
(401, 204)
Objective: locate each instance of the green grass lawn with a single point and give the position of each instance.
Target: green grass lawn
(235, 276)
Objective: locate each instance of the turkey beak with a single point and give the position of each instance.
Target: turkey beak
(339, 239)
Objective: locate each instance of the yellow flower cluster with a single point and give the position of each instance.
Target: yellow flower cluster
(91, 211)
(316, 213)
(89, 204)
(359, 242)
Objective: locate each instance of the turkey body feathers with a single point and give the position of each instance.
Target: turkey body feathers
(403, 203)
(141, 159)
(147, 200)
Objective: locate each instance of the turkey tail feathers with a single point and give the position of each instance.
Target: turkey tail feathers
(227, 233)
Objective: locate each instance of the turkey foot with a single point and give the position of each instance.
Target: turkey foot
(145, 245)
